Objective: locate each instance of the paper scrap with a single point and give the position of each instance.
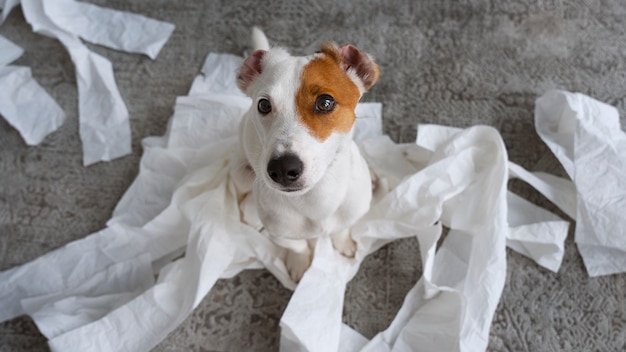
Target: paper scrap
(184, 198)
(7, 6)
(9, 52)
(19, 91)
(133, 33)
(585, 135)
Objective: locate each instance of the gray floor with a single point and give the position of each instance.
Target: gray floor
(453, 63)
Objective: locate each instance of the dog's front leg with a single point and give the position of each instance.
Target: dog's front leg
(298, 257)
(343, 243)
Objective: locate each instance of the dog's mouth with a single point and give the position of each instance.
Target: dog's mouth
(292, 189)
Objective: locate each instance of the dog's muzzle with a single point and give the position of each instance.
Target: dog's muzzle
(286, 170)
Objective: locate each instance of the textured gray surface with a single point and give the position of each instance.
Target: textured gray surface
(454, 63)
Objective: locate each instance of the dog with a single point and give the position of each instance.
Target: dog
(297, 154)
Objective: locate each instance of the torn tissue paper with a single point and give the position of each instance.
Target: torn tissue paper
(7, 6)
(104, 125)
(586, 137)
(99, 293)
(19, 91)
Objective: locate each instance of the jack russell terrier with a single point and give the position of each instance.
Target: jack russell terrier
(297, 155)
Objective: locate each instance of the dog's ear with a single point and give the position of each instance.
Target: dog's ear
(250, 69)
(363, 66)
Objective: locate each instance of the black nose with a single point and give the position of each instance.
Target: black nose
(285, 169)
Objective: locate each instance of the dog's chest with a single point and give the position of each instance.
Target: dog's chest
(305, 216)
(323, 201)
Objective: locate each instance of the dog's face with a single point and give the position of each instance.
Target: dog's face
(303, 110)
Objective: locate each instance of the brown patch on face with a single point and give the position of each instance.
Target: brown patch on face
(324, 76)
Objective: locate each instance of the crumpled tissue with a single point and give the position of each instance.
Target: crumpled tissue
(19, 91)
(585, 135)
(104, 125)
(99, 293)
(7, 6)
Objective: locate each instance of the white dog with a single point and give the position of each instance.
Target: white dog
(298, 157)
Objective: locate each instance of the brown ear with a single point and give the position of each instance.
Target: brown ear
(360, 63)
(250, 69)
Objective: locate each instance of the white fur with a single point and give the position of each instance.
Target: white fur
(334, 190)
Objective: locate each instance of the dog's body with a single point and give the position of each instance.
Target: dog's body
(306, 173)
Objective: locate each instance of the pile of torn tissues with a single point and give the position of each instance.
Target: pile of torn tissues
(100, 293)
(104, 123)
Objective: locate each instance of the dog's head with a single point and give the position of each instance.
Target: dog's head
(303, 110)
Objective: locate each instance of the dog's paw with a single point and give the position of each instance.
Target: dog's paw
(344, 244)
(297, 263)
(348, 248)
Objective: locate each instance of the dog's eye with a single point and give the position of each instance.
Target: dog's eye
(264, 106)
(324, 103)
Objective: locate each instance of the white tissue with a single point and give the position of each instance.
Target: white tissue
(533, 231)
(96, 294)
(7, 6)
(104, 124)
(9, 52)
(586, 137)
(19, 90)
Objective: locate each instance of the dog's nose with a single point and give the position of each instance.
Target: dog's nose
(285, 169)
